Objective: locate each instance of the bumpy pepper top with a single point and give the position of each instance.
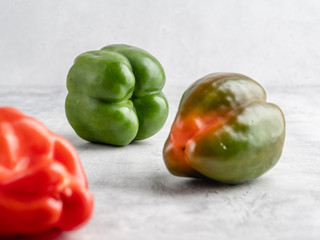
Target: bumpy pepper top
(115, 95)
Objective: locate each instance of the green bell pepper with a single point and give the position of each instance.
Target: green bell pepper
(114, 95)
(225, 130)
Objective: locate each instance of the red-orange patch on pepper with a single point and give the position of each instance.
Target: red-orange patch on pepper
(183, 130)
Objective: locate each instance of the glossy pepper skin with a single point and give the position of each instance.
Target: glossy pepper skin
(42, 183)
(225, 130)
(115, 95)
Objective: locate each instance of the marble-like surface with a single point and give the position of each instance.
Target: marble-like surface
(137, 198)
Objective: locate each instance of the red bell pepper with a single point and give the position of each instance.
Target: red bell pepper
(42, 182)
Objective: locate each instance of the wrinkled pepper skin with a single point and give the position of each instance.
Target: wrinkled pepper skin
(114, 95)
(225, 130)
(42, 183)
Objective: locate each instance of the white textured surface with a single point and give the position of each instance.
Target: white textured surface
(275, 42)
(137, 198)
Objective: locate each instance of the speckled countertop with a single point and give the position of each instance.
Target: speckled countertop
(137, 198)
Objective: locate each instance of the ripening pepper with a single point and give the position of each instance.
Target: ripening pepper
(42, 182)
(114, 95)
(225, 130)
